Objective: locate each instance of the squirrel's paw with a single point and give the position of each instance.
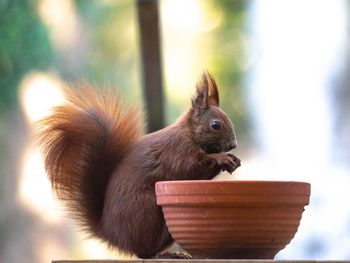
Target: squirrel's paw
(227, 162)
(173, 255)
(236, 161)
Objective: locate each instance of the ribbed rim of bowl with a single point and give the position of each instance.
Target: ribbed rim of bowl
(206, 191)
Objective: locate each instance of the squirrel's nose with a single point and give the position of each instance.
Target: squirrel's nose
(232, 144)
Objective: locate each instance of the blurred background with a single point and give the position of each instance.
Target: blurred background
(282, 68)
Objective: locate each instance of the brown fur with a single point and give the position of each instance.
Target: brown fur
(105, 170)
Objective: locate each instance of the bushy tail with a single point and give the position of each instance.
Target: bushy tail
(82, 143)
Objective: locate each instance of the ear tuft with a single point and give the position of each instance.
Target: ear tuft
(200, 101)
(213, 93)
(207, 93)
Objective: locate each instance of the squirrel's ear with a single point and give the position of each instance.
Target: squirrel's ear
(206, 92)
(200, 102)
(213, 93)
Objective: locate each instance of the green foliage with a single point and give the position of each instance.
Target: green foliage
(228, 62)
(111, 55)
(24, 46)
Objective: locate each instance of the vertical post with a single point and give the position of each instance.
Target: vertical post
(148, 19)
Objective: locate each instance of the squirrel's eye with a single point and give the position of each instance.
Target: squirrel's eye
(216, 125)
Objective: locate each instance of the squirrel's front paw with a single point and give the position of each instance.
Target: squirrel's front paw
(227, 162)
(236, 161)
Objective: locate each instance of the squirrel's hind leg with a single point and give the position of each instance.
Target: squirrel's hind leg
(173, 251)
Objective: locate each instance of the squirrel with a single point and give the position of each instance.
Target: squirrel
(105, 170)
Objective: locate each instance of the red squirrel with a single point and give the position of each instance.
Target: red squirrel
(105, 170)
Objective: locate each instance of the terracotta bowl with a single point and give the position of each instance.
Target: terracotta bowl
(232, 219)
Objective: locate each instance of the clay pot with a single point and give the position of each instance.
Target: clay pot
(232, 219)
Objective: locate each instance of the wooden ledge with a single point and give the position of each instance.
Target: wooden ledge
(200, 260)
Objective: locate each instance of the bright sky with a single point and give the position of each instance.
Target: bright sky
(300, 47)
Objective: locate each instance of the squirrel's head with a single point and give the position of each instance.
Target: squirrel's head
(212, 129)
